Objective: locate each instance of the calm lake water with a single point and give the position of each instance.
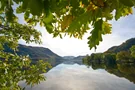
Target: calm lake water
(80, 77)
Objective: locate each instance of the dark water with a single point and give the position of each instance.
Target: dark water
(80, 77)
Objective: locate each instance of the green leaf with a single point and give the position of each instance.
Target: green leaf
(49, 27)
(118, 11)
(48, 18)
(74, 3)
(26, 15)
(9, 14)
(129, 3)
(1, 47)
(36, 7)
(96, 37)
(25, 4)
(122, 11)
(47, 7)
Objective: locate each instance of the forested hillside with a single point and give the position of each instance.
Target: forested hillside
(124, 53)
(123, 47)
(37, 53)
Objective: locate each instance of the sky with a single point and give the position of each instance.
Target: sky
(122, 30)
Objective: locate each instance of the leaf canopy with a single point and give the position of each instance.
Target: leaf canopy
(72, 17)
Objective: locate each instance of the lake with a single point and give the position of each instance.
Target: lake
(81, 77)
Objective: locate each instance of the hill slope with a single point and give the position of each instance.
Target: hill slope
(37, 53)
(123, 47)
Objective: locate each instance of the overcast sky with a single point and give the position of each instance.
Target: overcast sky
(122, 30)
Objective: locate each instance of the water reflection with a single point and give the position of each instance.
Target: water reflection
(126, 70)
(79, 77)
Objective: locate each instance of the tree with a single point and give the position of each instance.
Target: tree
(109, 59)
(71, 17)
(13, 67)
(132, 49)
(86, 60)
(123, 56)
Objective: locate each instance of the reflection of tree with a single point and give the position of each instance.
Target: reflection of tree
(126, 68)
(97, 66)
(128, 71)
(121, 70)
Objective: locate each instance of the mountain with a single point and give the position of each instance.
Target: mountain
(123, 47)
(38, 53)
(79, 57)
(72, 59)
(68, 57)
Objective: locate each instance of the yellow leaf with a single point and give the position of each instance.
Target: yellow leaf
(106, 28)
(66, 21)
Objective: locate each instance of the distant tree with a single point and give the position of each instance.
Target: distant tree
(86, 60)
(123, 56)
(109, 58)
(132, 49)
(96, 57)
